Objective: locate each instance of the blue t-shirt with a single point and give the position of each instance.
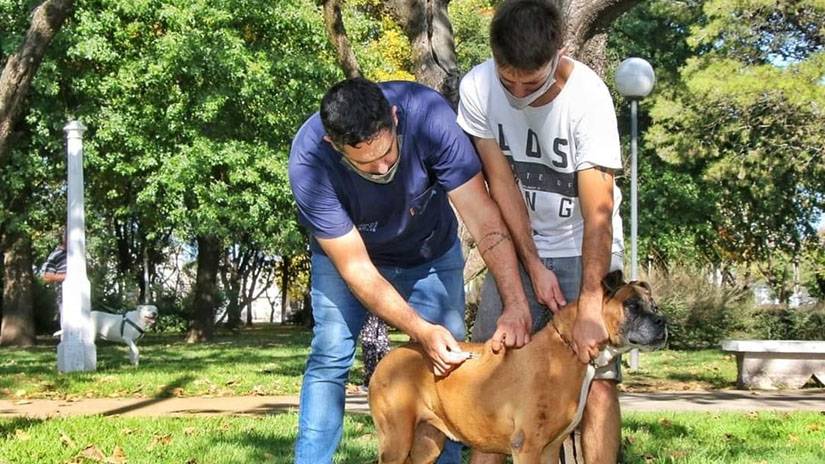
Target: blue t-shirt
(408, 221)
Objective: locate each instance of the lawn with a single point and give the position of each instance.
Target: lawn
(268, 360)
(673, 438)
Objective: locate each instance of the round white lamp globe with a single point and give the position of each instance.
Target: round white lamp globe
(635, 78)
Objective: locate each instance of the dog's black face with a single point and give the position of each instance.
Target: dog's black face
(643, 326)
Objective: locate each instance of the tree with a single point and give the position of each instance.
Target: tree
(19, 68)
(191, 107)
(427, 26)
(748, 118)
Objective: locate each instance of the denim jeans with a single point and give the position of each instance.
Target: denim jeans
(434, 289)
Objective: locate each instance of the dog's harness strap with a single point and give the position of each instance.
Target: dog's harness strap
(125, 321)
(588, 379)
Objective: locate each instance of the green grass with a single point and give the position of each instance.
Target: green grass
(268, 360)
(683, 438)
(681, 370)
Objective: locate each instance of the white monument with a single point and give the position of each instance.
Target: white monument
(76, 351)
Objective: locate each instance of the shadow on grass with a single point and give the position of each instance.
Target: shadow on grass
(166, 393)
(357, 447)
(10, 425)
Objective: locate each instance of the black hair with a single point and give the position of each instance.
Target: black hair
(355, 110)
(526, 34)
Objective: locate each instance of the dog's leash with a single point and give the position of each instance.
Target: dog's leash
(603, 359)
(125, 321)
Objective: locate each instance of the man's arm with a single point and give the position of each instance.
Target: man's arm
(482, 218)
(349, 255)
(53, 277)
(596, 199)
(507, 195)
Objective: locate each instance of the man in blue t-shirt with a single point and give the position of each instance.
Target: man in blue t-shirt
(373, 175)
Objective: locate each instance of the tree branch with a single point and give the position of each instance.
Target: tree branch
(21, 67)
(337, 35)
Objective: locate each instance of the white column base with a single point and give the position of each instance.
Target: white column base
(76, 357)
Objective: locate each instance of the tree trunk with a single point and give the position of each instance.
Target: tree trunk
(285, 288)
(21, 67)
(18, 310)
(427, 26)
(337, 34)
(587, 24)
(205, 301)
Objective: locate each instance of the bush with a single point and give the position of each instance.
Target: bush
(699, 313)
(782, 323)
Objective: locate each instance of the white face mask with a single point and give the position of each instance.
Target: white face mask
(520, 103)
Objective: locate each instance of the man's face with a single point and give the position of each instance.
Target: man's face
(521, 83)
(376, 155)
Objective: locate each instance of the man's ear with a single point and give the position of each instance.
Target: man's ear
(612, 282)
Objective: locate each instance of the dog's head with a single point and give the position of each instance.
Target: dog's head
(148, 314)
(632, 318)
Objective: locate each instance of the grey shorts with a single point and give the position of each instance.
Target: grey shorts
(569, 273)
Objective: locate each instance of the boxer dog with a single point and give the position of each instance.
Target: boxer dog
(127, 328)
(522, 402)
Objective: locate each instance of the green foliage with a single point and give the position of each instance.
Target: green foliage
(658, 31)
(471, 26)
(190, 109)
(732, 167)
(782, 323)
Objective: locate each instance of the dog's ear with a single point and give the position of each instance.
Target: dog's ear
(612, 282)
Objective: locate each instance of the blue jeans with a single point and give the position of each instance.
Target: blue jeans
(434, 289)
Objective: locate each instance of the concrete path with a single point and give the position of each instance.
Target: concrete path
(727, 400)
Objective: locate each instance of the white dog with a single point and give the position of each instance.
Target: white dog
(127, 328)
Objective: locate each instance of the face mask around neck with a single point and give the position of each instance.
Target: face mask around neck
(385, 178)
(520, 103)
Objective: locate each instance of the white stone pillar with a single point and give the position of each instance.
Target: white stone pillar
(76, 351)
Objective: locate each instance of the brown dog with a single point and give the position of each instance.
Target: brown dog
(520, 402)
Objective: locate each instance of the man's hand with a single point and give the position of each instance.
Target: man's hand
(512, 329)
(589, 333)
(546, 288)
(442, 349)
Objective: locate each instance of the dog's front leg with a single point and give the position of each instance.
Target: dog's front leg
(134, 355)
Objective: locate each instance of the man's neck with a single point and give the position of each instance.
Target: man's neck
(562, 74)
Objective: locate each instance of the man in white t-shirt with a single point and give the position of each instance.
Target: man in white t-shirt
(548, 120)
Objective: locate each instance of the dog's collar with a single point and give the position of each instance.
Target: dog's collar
(125, 321)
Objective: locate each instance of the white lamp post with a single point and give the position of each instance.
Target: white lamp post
(634, 80)
(76, 351)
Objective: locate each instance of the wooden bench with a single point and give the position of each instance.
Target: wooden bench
(777, 364)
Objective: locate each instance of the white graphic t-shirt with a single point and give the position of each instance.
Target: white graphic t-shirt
(545, 146)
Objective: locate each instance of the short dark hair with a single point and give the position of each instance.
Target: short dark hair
(526, 34)
(355, 110)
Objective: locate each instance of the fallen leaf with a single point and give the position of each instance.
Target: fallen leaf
(21, 435)
(189, 431)
(793, 438)
(160, 440)
(117, 457)
(93, 452)
(177, 392)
